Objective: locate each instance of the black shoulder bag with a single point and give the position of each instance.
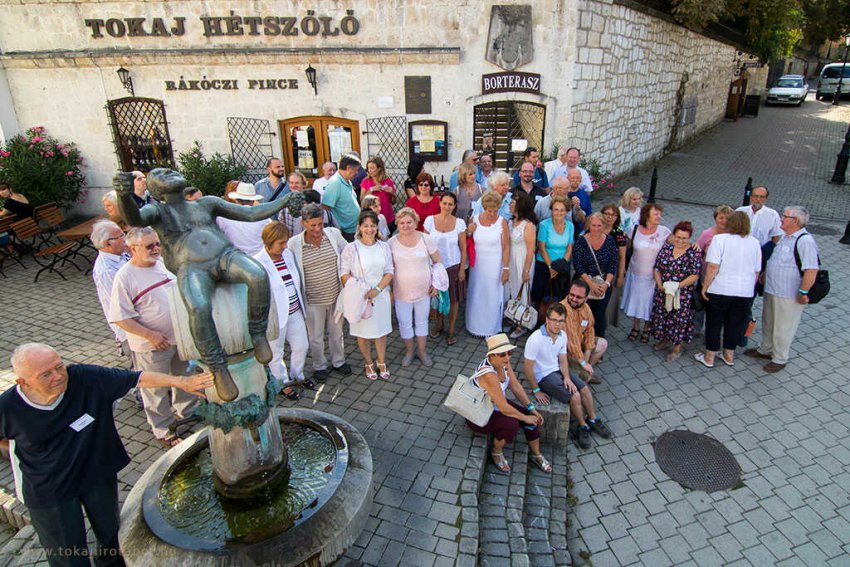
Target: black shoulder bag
(820, 288)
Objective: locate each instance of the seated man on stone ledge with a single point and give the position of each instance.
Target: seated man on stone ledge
(548, 374)
(65, 450)
(198, 252)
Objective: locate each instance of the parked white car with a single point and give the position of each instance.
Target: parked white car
(828, 80)
(789, 89)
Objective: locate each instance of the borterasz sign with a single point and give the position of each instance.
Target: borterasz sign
(232, 25)
(510, 83)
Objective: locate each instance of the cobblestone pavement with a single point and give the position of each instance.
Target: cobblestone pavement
(438, 503)
(791, 150)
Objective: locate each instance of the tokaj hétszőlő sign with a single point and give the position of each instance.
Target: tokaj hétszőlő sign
(510, 82)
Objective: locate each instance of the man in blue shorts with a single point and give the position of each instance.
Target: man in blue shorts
(547, 371)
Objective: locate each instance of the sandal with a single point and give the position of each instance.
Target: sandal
(501, 462)
(541, 463)
(644, 337)
(370, 372)
(291, 395)
(451, 339)
(673, 356)
(726, 362)
(436, 332)
(385, 374)
(309, 384)
(700, 357)
(661, 345)
(633, 335)
(170, 441)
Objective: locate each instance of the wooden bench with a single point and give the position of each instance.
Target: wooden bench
(49, 216)
(49, 256)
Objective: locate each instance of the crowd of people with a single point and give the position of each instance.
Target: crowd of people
(356, 248)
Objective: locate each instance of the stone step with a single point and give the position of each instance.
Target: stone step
(470, 488)
(502, 533)
(12, 511)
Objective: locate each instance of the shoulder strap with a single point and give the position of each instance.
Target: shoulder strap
(279, 189)
(797, 258)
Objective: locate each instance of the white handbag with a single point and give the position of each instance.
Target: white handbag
(521, 314)
(469, 401)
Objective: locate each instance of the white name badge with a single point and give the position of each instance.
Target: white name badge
(421, 254)
(584, 323)
(82, 422)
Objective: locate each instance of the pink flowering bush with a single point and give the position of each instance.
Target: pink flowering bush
(43, 169)
(600, 178)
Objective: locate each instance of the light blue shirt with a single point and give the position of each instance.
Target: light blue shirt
(340, 199)
(556, 244)
(504, 210)
(264, 188)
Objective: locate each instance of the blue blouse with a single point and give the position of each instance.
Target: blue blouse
(556, 244)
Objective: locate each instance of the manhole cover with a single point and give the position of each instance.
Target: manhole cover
(696, 461)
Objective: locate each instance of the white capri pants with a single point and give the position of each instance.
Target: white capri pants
(295, 334)
(413, 317)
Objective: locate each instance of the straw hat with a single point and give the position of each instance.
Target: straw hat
(498, 344)
(245, 192)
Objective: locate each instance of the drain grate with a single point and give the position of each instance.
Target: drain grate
(696, 461)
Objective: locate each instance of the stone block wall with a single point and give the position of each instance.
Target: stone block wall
(628, 72)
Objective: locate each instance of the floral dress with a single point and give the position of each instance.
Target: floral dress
(676, 326)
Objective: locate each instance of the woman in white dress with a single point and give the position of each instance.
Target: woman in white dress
(449, 232)
(523, 245)
(639, 289)
(285, 287)
(487, 278)
(630, 210)
(369, 260)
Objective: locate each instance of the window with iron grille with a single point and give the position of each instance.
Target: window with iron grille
(140, 133)
(388, 139)
(250, 145)
(504, 121)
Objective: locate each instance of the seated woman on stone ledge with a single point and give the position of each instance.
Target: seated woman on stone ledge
(495, 376)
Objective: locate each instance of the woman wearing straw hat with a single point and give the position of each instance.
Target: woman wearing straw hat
(495, 376)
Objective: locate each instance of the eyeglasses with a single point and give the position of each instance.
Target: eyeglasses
(153, 245)
(558, 321)
(115, 238)
(788, 217)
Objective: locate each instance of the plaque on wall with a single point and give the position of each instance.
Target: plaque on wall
(509, 43)
(428, 139)
(417, 95)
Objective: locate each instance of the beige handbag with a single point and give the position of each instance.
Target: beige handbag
(469, 401)
(519, 313)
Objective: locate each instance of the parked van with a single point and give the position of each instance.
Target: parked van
(828, 80)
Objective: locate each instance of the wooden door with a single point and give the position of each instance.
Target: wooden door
(310, 141)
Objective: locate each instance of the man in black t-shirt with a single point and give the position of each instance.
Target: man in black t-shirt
(65, 449)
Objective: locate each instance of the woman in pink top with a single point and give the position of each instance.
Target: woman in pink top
(721, 215)
(377, 183)
(424, 203)
(413, 253)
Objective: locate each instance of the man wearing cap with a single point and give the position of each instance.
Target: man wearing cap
(273, 187)
(65, 450)
(340, 199)
(245, 235)
(495, 376)
(548, 373)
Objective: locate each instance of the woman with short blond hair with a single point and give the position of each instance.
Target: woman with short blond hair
(285, 287)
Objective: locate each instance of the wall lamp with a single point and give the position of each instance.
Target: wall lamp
(126, 80)
(311, 78)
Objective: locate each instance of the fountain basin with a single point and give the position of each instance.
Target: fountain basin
(314, 526)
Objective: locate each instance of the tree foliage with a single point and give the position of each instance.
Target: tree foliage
(826, 20)
(772, 27)
(209, 175)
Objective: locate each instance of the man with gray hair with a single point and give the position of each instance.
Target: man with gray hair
(108, 238)
(317, 251)
(139, 305)
(560, 188)
(65, 449)
(790, 273)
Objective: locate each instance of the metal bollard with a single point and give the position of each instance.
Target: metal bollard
(652, 185)
(841, 163)
(846, 238)
(748, 190)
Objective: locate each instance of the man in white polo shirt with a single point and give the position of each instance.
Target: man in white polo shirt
(548, 373)
(764, 221)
